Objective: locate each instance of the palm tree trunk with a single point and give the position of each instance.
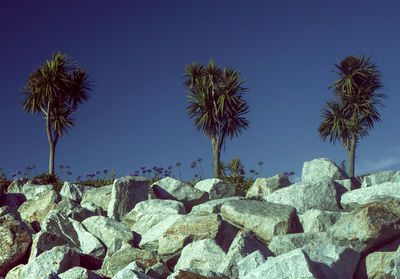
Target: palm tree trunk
(216, 156)
(50, 139)
(352, 155)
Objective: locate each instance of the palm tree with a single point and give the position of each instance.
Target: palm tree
(353, 114)
(56, 88)
(216, 104)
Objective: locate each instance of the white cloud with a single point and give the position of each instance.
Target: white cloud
(374, 165)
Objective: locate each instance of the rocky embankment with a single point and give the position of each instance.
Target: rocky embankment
(325, 226)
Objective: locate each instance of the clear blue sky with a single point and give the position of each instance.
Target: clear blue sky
(135, 52)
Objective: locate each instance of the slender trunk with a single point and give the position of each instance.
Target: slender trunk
(352, 155)
(52, 144)
(216, 156)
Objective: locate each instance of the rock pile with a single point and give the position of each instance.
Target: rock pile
(326, 226)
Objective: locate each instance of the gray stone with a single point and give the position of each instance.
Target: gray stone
(150, 239)
(380, 177)
(216, 188)
(196, 273)
(126, 192)
(159, 271)
(212, 206)
(59, 230)
(133, 270)
(265, 219)
(30, 190)
(284, 243)
(332, 261)
(355, 198)
(99, 196)
(54, 261)
(250, 263)
(78, 272)
(367, 227)
(303, 196)
(36, 209)
(294, 264)
(315, 220)
(201, 254)
(262, 187)
(74, 192)
(321, 169)
(15, 272)
(172, 189)
(106, 229)
(15, 239)
(243, 245)
(148, 213)
(185, 230)
(123, 254)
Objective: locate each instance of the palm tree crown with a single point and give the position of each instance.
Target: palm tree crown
(216, 103)
(354, 112)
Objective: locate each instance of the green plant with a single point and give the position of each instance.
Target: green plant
(49, 179)
(4, 182)
(353, 114)
(216, 104)
(56, 88)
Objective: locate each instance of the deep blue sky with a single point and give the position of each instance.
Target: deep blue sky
(135, 52)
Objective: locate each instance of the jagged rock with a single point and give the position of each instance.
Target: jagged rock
(195, 273)
(367, 227)
(16, 185)
(283, 243)
(265, 219)
(99, 196)
(74, 192)
(133, 270)
(14, 200)
(78, 272)
(212, 206)
(54, 261)
(315, 220)
(74, 210)
(243, 245)
(148, 213)
(381, 177)
(15, 272)
(185, 230)
(106, 229)
(201, 254)
(304, 196)
(121, 254)
(216, 188)
(59, 230)
(36, 209)
(126, 192)
(172, 189)
(4, 210)
(15, 238)
(250, 263)
(348, 184)
(150, 239)
(330, 261)
(159, 271)
(294, 264)
(321, 169)
(382, 263)
(262, 187)
(358, 197)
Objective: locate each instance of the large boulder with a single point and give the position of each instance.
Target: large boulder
(74, 192)
(172, 189)
(15, 239)
(321, 169)
(216, 188)
(265, 219)
(126, 192)
(78, 272)
(315, 220)
(35, 210)
(99, 196)
(304, 196)
(148, 213)
(355, 198)
(50, 263)
(380, 177)
(106, 229)
(262, 187)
